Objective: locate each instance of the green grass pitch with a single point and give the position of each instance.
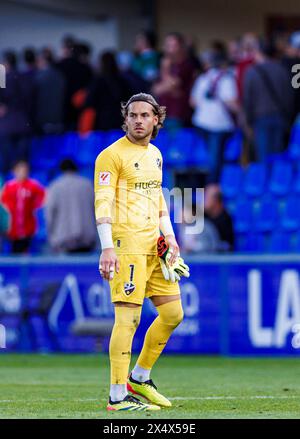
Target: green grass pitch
(76, 386)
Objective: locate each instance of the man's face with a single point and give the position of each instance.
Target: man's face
(21, 171)
(171, 46)
(140, 120)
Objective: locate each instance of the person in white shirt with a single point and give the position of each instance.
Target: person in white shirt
(214, 98)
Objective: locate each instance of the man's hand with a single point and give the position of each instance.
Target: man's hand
(173, 248)
(108, 264)
(172, 272)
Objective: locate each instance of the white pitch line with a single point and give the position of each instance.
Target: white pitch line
(176, 398)
(233, 397)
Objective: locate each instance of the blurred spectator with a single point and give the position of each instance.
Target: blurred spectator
(268, 102)
(106, 92)
(28, 84)
(70, 215)
(177, 75)
(135, 82)
(291, 56)
(4, 223)
(215, 99)
(216, 213)
(22, 196)
(67, 46)
(78, 76)
(245, 59)
(206, 60)
(14, 121)
(193, 56)
(84, 53)
(146, 61)
(50, 89)
(234, 51)
(207, 241)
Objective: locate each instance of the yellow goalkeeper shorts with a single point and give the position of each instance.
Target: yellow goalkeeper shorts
(140, 276)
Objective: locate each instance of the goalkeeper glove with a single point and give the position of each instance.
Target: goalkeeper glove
(172, 272)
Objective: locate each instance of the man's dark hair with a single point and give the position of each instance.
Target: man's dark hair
(158, 110)
(29, 56)
(10, 58)
(219, 53)
(80, 49)
(108, 64)
(150, 36)
(68, 165)
(68, 41)
(84, 48)
(267, 47)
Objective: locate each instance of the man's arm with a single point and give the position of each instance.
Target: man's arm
(107, 170)
(248, 94)
(50, 208)
(39, 195)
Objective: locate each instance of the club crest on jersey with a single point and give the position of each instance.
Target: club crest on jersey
(158, 162)
(129, 288)
(104, 178)
(137, 166)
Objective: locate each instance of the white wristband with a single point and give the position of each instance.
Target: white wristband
(165, 225)
(105, 235)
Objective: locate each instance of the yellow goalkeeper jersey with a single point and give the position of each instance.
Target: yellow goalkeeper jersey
(128, 189)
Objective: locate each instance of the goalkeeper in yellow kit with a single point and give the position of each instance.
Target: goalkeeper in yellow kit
(130, 212)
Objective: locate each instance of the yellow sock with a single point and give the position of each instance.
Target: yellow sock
(169, 316)
(126, 323)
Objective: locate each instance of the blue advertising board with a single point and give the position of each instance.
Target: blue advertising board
(233, 305)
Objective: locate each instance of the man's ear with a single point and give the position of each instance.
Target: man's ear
(155, 120)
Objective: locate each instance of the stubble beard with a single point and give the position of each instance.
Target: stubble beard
(141, 136)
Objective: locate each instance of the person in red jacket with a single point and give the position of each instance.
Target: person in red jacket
(22, 196)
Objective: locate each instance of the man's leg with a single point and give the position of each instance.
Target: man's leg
(128, 306)
(261, 138)
(127, 319)
(170, 314)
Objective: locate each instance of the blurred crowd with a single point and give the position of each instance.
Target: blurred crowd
(68, 204)
(244, 84)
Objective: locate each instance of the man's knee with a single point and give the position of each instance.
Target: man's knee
(171, 313)
(128, 316)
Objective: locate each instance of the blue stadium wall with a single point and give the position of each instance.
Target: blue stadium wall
(234, 305)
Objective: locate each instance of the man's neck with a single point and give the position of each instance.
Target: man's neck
(142, 142)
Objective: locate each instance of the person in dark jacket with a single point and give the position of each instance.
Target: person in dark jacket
(50, 90)
(14, 120)
(107, 91)
(268, 101)
(78, 76)
(28, 84)
(216, 213)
